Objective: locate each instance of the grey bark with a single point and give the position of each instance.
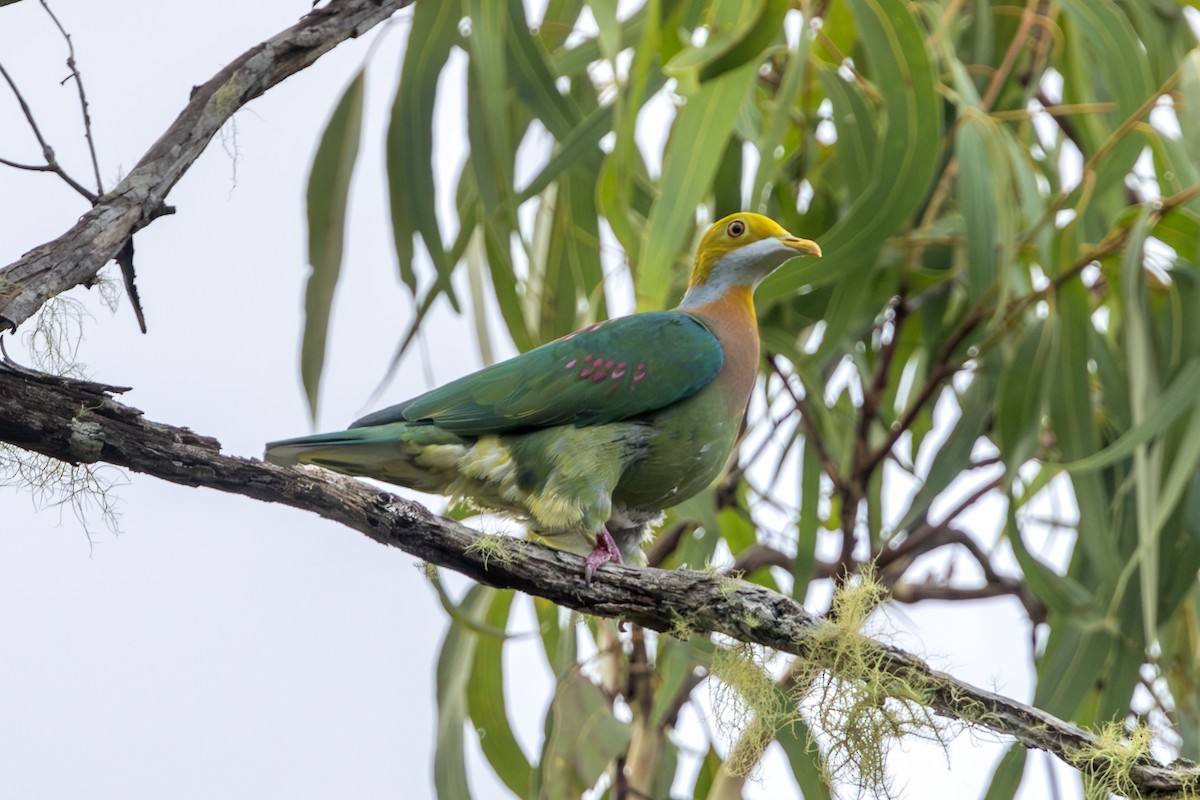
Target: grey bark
(74, 258)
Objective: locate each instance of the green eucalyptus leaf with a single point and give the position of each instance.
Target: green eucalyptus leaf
(582, 738)
(410, 137)
(328, 196)
(485, 703)
(730, 47)
(689, 167)
(456, 662)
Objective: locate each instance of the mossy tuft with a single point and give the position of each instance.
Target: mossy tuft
(1106, 765)
(504, 549)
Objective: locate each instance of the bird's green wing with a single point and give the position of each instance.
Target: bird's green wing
(603, 373)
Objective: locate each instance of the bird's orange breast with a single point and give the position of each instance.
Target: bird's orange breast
(732, 320)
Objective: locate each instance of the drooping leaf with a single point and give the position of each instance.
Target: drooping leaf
(489, 100)
(1074, 424)
(532, 79)
(582, 738)
(809, 523)
(805, 760)
(857, 124)
(410, 138)
(984, 193)
(455, 665)
(1007, 777)
(486, 706)
(1176, 399)
(328, 197)
(1060, 593)
(675, 663)
(1020, 401)
(779, 123)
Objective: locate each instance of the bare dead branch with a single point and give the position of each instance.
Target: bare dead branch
(83, 103)
(51, 164)
(28, 167)
(124, 260)
(74, 258)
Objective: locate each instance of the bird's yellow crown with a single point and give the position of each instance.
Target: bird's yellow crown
(768, 243)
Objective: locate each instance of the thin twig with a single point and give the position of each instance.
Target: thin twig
(83, 103)
(927, 537)
(946, 364)
(1114, 242)
(1010, 56)
(811, 436)
(666, 541)
(52, 164)
(1110, 142)
(29, 167)
(864, 465)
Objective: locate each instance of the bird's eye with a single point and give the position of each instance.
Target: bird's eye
(736, 228)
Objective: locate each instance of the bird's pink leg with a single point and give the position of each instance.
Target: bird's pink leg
(606, 550)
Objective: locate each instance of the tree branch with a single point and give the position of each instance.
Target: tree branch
(80, 422)
(51, 164)
(83, 101)
(75, 257)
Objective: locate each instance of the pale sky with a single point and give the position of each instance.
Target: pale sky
(221, 647)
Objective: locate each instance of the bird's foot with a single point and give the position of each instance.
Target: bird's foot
(606, 550)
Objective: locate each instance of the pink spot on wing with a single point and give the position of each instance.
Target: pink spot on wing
(571, 363)
(618, 373)
(583, 373)
(639, 371)
(599, 376)
(609, 365)
(597, 326)
(588, 358)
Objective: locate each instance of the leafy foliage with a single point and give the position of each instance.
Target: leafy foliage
(1009, 203)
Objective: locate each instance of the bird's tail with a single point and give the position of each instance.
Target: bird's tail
(398, 453)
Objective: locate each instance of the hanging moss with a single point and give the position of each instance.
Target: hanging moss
(749, 703)
(854, 707)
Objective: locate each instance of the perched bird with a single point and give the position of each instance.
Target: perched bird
(587, 439)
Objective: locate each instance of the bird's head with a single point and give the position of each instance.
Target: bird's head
(741, 250)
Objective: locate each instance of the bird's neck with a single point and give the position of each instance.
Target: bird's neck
(717, 288)
(730, 317)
